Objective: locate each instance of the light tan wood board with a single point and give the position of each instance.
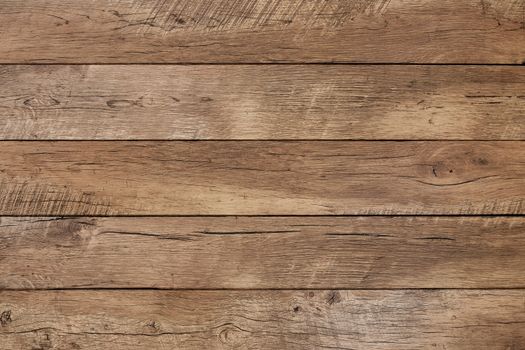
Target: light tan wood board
(259, 178)
(491, 320)
(262, 102)
(145, 31)
(262, 252)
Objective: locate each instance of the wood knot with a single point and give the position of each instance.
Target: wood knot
(43, 343)
(232, 335)
(440, 169)
(66, 233)
(333, 297)
(154, 326)
(43, 101)
(5, 318)
(177, 19)
(125, 103)
(481, 161)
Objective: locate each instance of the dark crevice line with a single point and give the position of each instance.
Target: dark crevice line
(260, 140)
(400, 215)
(158, 334)
(138, 289)
(325, 63)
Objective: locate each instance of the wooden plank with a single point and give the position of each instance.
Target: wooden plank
(259, 178)
(262, 252)
(423, 31)
(409, 319)
(262, 102)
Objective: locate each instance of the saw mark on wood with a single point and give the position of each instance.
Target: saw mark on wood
(43, 199)
(228, 15)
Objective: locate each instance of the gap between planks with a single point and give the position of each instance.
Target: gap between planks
(139, 289)
(225, 63)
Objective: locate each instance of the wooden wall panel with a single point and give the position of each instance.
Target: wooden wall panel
(145, 31)
(262, 252)
(409, 319)
(349, 102)
(150, 155)
(261, 178)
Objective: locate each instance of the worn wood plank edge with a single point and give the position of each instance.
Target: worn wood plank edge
(411, 319)
(488, 31)
(273, 103)
(260, 177)
(262, 253)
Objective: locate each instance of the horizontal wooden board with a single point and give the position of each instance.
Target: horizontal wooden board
(262, 252)
(262, 102)
(258, 178)
(424, 31)
(410, 319)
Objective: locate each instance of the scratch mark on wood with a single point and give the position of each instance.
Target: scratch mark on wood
(42, 199)
(226, 15)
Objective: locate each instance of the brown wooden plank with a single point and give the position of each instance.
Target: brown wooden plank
(262, 102)
(258, 178)
(262, 252)
(409, 319)
(444, 31)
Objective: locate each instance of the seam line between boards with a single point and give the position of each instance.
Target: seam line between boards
(58, 216)
(259, 289)
(324, 63)
(260, 140)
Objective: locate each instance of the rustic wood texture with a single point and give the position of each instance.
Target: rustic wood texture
(162, 187)
(262, 102)
(258, 178)
(126, 31)
(262, 252)
(403, 320)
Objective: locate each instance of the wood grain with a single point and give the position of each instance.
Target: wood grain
(144, 31)
(259, 178)
(262, 102)
(409, 319)
(262, 252)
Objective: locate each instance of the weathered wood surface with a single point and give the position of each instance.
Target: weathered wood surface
(262, 102)
(409, 319)
(262, 252)
(126, 31)
(258, 178)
